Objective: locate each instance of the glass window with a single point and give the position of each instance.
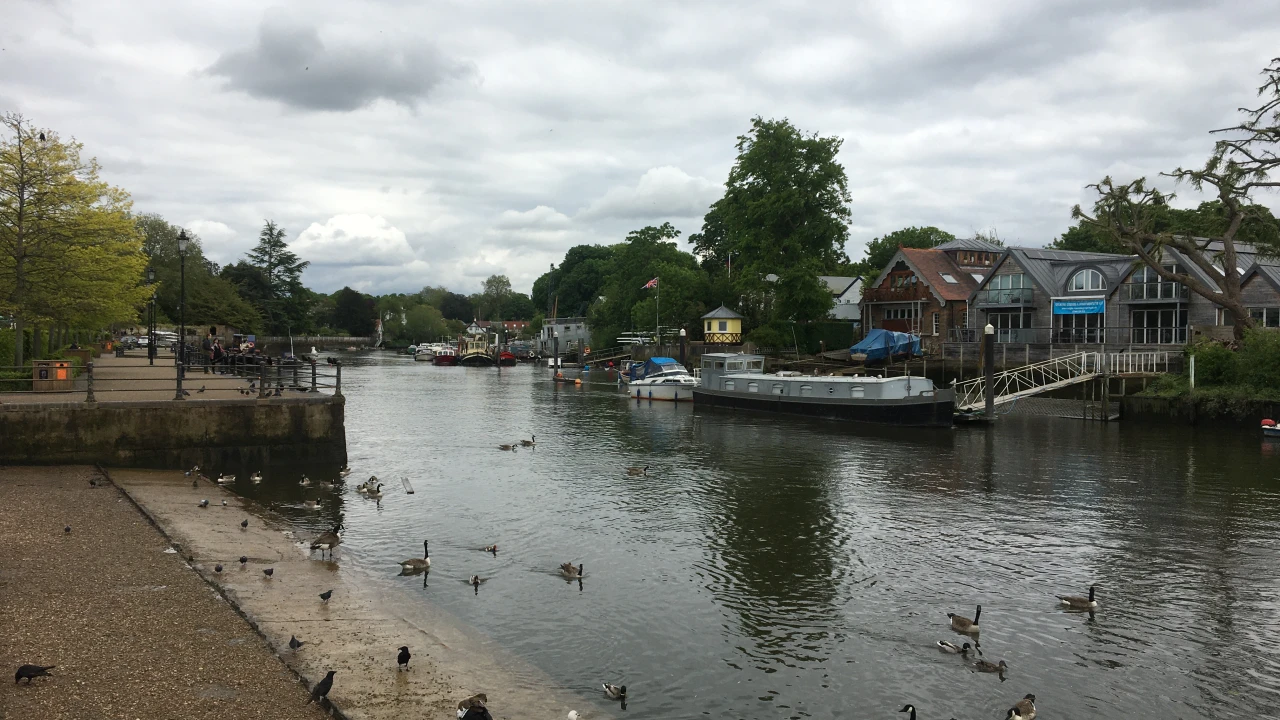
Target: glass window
(719, 364)
(755, 364)
(976, 276)
(950, 278)
(1087, 279)
(724, 325)
(1080, 328)
(937, 321)
(734, 365)
(1008, 281)
(708, 326)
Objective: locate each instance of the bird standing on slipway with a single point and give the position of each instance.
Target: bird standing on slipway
(324, 596)
(402, 659)
(322, 688)
(26, 672)
(295, 643)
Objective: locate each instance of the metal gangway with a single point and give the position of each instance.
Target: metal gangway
(1029, 380)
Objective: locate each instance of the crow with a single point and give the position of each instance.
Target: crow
(322, 688)
(324, 596)
(41, 137)
(217, 568)
(66, 529)
(295, 643)
(32, 671)
(269, 572)
(244, 524)
(243, 560)
(402, 660)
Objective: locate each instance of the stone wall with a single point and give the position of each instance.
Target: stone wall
(1183, 411)
(175, 434)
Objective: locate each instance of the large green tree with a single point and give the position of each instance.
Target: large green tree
(492, 297)
(881, 250)
(354, 312)
(678, 301)
(286, 307)
(570, 290)
(211, 298)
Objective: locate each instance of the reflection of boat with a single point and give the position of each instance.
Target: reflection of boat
(445, 356)
(474, 352)
(738, 381)
(1270, 429)
(659, 378)
(506, 359)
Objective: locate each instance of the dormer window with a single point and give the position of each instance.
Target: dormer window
(1087, 279)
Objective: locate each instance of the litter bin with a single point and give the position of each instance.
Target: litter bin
(51, 376)
(120, 350)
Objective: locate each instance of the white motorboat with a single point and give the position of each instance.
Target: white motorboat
(424, 353)
(659, 378)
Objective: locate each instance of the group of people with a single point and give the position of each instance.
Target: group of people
(218, 358)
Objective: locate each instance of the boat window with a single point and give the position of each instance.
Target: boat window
(753, 387)
(831, 390)
(706, 364)
(734, 365)
(728, 384)
(755, 364)
(806, 391)
(857, 391)
(779, 389)
(719, 364)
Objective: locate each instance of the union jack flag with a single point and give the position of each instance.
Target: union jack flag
(651, 284)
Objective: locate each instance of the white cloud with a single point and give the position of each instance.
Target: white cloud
(662, 193)
(354, 240)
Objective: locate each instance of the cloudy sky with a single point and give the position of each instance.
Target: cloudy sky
(405, 143)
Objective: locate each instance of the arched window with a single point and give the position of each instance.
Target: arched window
(1087, 279)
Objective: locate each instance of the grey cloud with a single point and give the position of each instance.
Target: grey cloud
(292, 64)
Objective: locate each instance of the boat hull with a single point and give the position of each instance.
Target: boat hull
(914, 411)
(665, 393)
(476, 361)
(445, 360)
(424, 357)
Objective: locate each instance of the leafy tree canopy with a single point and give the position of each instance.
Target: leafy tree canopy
(882, 249)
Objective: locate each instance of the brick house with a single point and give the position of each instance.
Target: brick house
(926, 292)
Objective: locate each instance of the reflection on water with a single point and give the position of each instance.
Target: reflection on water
(778, 567)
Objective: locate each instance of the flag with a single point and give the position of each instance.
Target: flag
(651, 284)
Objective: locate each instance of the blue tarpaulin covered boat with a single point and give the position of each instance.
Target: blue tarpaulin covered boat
(882, 344)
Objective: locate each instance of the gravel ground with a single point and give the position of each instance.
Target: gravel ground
(135, 633)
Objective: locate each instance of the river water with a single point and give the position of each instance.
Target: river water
(775, 567)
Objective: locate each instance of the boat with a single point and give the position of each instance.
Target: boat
(445, 356)
(659, 378)
(474, 352)
(1270, 429)
(737, 381)
(424, 353)
(506, 359)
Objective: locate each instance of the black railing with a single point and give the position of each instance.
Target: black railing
(1153, 291)
(1004, 296)
(1076, 336)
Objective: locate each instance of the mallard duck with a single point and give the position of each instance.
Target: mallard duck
(344, 471)
(570, 570)
(421, 563)
(305, 481)
(911, 709)
(226, 479)
(311, 504)
(1080, 603)
(1024, 709)
(990, 667)
(506, 447)
(950, 647)
(533, 440)
(491, 549)
(255, 478)
(638, 471)
(614, 692)
(327, 541)
(964, 624)
(376, 492)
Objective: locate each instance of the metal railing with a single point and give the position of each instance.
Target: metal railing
(1004, 296)
(1133, 363)
(1029, 379)
(906, 293)
(1153, 291)
(1125, 335)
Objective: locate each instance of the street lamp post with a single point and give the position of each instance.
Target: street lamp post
(151, 319)
(182, 311)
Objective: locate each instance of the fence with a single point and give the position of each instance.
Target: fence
(1076, 336)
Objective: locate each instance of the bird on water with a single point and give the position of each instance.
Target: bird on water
(402, 659)
(322, 688)
(26, 672)
(911, 709)
(638, 471)
(614, 692)
(964, 624)
(421, 563)
(1076, 602)
(533, 440)
(1024, 709)
(570, 570)
(950, 647)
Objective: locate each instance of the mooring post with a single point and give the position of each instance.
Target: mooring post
(89, 379)
(988, 363)
(313, 376)
(262, 379)
(178, 394)
(337, 381)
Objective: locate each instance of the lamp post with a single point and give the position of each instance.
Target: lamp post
(182, 310)
(151, 319)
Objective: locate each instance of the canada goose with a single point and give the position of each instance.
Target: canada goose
(305, 481)
(367, 485)
(311, 504)
(964, 624)
(614, 692)
(1024, 709)
(506, 447)
(638, 471)
(1080, 603)
(255, 478)
(345, 471)
(328, 541)
(533, 440)
(491, 549)
(376, 492)
(570, 570)
(950, 647)
(474, 581)
(988, 666)
(226, 479)
(477, 700)
(911, 709)
(421, 563)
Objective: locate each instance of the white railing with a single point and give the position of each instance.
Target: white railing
(1029, 379)
(1137, 362)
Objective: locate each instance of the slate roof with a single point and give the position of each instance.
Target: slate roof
(970, 244)
(722, 313)
(1051, 269)
(929, 266)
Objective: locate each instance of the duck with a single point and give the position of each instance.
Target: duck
(533, 440)
(911, 709)
(570, 570)
(614, 692)
(305, 481)
(1024, 709)
(226, 479)
(477, 700)
(256, 478)
(194, 469)
(950, 647)
(421, 563)
(367, 485)
(311, 504)
(328, 541)
(506, 447)
(989, 667)
(638, 471)
(964, 624)
(475, 581)
(490, 549)
(344, 471)
(376, 492)
(1080, 603)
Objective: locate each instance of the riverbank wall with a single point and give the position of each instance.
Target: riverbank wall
(175, 434)
(1193, 410)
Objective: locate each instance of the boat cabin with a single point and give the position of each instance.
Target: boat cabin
(731, 363)
(742, 373)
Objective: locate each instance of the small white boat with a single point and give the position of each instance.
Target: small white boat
(1270, 429)
(424, 353)
(659, 378)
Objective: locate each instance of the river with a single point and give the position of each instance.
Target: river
(777, 567)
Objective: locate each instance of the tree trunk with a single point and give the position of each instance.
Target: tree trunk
(35, 342)
(18, 355)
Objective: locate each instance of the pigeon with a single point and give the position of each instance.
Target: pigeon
(269, 572)
(66, 529)
(32, 671)
(186, 393)
(322, 688)
(93, 482)
(402, 660)
(324, 596)
(200, 390)
(295, 643)
(217, 568)
(243, 560)
(244, 524)
(224, 503)
(204, 503)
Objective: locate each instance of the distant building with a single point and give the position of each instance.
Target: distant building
(573, 332)
(847, 292)
(722, 326)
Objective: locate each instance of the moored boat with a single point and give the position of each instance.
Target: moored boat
(506, 359)
(445, 356)
(1270, 429)
(738, 382)
(474, 352)
(659, 378)
(424, 353)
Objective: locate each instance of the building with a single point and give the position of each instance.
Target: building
(847, 292)
(573, 333)
(722, 326)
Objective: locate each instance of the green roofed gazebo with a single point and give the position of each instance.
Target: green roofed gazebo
(722, 326)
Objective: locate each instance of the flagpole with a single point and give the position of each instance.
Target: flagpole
(657, 306)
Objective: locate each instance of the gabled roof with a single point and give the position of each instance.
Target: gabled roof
(722, 313)
(930, 265)
(970, 244)
(1051, 270)
(837, 284)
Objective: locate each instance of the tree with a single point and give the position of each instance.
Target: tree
(70, 254)
(284, 306)
(492, 296)
(628, 305)
(517, 306)
(354, 312)
(1087, 238)
(1241, 163)
(424, 323)
(211, 298)
(572, 288)
(882, 249)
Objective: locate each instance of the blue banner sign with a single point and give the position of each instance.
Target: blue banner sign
(1079, 306)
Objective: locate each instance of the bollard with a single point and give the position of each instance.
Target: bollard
(988, 361)
(262, 380)
(89, 372)
(337, 380)
(313, 376)
(178, 394)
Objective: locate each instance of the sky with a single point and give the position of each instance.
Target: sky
(404, 143)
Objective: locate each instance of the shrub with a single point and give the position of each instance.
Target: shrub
(1257, 363)
(1215, 364)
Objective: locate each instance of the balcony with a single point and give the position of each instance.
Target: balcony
(1004, 296)
(1146, 292)
(907, 293)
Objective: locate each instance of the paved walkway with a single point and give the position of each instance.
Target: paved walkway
(134, 633)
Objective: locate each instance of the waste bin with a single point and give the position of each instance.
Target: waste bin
(51, 376)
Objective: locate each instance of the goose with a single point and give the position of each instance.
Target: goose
(367, 485)
(614, 692)
(311, 504)
(638, 471)
(477, 700)
(328, 541)
(1080, 603)
(226, 479)
(421, 563)
(964, 624)
(990, 667)
(475, 581)
(569, 570)
(533, 440)
(911, 709)
(344, 471)
(256, 478)
(326, 485)
(305, 481)
(1024, 709)
(376, 492)
(950, 647)
(506, 447)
